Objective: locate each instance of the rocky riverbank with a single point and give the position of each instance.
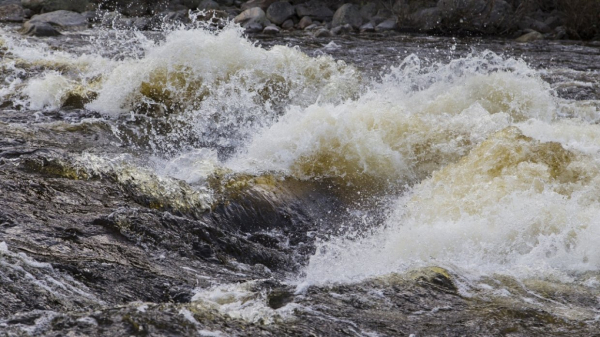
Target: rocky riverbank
(523, 19)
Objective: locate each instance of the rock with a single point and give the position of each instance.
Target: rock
(38, 6)
(225, 2)
(533, 36)
(312, 27)
(254, 16)
(305, 22)
(262, 4)
(389, 24)
(560, 33)
(367, 28)
(61, 20)
(322, 33)
(368, 11)
(347, 14)
(39, 29)
(191, 4)
(271, 30)
(345, 29)
(253, 27)
(427, 19)
(280, 11)
(208, 5)
(288, 24)
(12, 13)
(314, 9)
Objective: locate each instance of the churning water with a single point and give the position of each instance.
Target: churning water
(473, 160)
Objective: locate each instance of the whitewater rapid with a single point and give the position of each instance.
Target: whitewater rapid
(488, 169)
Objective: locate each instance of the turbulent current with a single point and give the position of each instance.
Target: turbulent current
(348, 173)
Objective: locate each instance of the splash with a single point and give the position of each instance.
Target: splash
(514, 205)
(414, 121)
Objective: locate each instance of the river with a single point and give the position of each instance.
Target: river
(200, 182)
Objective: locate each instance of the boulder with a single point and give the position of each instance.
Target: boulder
(12, 13)
(271, 30)
(312, 27)
(314, 9)
(367, 28)
(532, 36)
(288, 24)
(226, 3)
(347, 14)
(305, 22)
(252, 17)
(39, 29)
(323, 32)
(208, 5)
(280, 11)
(61, 20)
(389, 24)
(38, 6)
(262, 4)
(368, 11)
(345, 29)
(253, 27)
(191, 4)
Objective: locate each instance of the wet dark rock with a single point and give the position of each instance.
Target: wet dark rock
(314, 9)
(12, 13)
(427, 19)
(305, 22)
(322, 32)
(368, 11)
(347, 14)
(288, 24)
(208, 5)
(280, 11)
(38, 6)
(44, 24)
(252, 18)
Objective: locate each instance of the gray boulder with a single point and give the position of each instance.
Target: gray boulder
(37, 6)
(61, 20)
(280, 11)
(252, 17)
(208, 5)
(347, 14)
(314, 9)
(389, 24)
(12, 13)
(305, 22)
(38, 29)
(288, 24)
(345, 29)
(322, 32)
(368, 11)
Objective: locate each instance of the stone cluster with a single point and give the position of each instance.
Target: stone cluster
(319, 18)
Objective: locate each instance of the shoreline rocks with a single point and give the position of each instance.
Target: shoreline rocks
(445, 17)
